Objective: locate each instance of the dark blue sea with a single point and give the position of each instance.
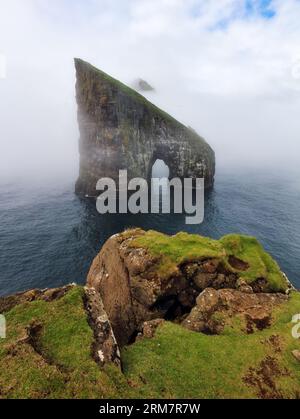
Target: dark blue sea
(49, 237)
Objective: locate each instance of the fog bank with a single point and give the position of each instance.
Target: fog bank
(229, 71)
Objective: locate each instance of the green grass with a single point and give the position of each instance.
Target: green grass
(172, 251)
(66, 338)
(261, 264)
(175, 363)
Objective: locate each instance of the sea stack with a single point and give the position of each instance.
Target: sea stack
(121, 130)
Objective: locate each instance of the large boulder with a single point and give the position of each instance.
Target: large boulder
(130, 288)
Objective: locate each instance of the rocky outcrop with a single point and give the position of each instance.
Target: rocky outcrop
(120, 129)
(149, 328)
(131, 290)
(104, 348)
(134, 288)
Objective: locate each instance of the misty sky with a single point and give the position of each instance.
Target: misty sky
(228, 68)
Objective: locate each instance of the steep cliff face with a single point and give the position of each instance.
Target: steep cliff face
(120, 129)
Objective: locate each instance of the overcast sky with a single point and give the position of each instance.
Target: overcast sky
(228, 68)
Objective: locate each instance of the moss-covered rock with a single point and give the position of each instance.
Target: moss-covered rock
(143, 275)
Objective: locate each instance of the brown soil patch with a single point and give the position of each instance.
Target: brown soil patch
(238, 264)
(263, 378)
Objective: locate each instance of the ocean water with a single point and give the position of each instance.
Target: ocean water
(49, 237)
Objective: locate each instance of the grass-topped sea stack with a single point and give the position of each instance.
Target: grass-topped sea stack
(121, 129)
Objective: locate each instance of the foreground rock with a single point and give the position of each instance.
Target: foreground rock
(138, 284)
(120, 129)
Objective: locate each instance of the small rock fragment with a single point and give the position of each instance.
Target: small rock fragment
(296, 354)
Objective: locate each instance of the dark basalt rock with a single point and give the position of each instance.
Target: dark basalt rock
(120, 129)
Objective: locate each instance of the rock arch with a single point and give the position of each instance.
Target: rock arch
(160, 169)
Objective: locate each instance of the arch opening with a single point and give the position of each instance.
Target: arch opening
(160, 170)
